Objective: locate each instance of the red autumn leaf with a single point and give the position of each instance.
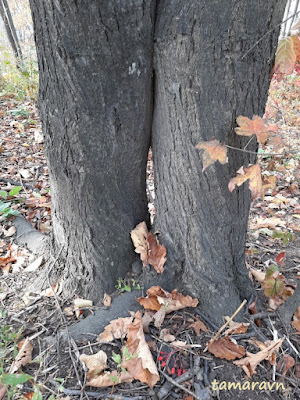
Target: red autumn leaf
(252, 173)
(256, 126)
(280, 258)
(213, 151)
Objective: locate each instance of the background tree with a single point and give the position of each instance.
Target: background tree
(103, 66)
(11, 33)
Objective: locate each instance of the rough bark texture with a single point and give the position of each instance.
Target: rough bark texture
(202, 83)
(95, 63)
(11, 32)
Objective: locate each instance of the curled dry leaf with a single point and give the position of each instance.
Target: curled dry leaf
(253, 173)
(258, 275)
(96, 361)
(141, 366)
(117, 329)
(158, 297)
(147, 245)
(251, 361)
(226, 348)
(166, 335)
(213, 151)
(236, 328)
(23, 357)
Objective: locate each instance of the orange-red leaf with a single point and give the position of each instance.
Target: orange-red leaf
(252, 173)
(256, 126)
(213, 151)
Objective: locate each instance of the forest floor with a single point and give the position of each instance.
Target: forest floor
(47, 368)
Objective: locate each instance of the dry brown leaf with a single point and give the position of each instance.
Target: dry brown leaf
(256, 126)
(179, 344)
(97, 361)
(213, 151)
(106, 300)
(296, 318)
(158, 297)
(139, 236)
(109, 379)
(159, 317)
(286, 362)
(225, 348)
(251, 361)
(117, 328)
(147, 245)
(23, 357)
(198, 326)
(253, 174)
(236, 328)
(35, 264)
(141, 366)
(166, 335)
(157, 254)
(257, 274)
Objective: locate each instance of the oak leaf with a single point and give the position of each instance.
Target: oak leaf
(253, 174)
(213, 151)
(256, 126)
(225, 348)
(97, 361)
(285, 58)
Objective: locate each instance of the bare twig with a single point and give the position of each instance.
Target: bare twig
(174, 382)
(253, 152)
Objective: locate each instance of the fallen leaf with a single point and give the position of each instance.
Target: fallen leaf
(82, 303)
(280, 258)
(10, 231)
(226, 349)
(106, 300)
(213, 151)
(286, 362)
(251, 361)
(257, 274)
(97, 361)
(23, 357)
(139, 236)
(117, 328)
(109, 379)
(253, 174)
(35, 264)
(198, 326)
(157, 254)
(141, 366)
(157, 298)
(166, 336)
(236, 328)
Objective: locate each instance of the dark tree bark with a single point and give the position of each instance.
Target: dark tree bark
(95, 61)
(204, 79)
(11, 33)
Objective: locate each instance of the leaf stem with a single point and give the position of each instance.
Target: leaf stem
(253, 152)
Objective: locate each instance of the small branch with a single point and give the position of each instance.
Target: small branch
(253, 152)
(174, 383)
(266, 34)
(227, 323)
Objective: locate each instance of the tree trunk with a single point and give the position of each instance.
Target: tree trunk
(95, 61)
(95, 95)
(204, 78)
(11, 33)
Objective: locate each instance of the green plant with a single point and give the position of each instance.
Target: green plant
(286, 237)
(127, 285)
(6, 210)
(21, 111)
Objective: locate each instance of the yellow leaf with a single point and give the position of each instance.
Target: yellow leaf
(252, 173)
(285, 57)
(213, 151)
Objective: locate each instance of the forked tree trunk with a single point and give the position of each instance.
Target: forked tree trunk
(11, 33)
(95, 63)
(204, 79)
